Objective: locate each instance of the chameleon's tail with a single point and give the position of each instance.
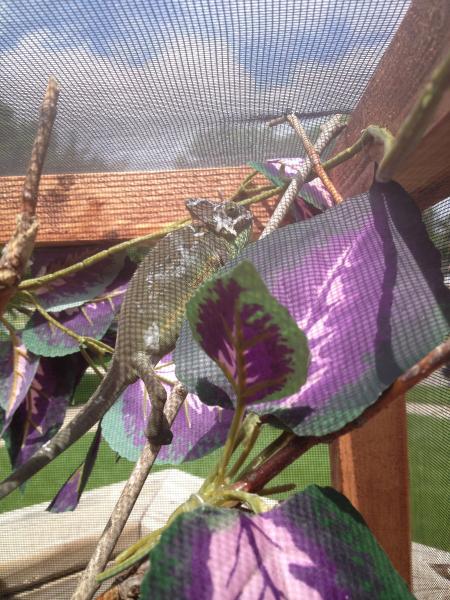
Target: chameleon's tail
(102, 399)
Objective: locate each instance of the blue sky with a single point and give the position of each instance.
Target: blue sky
(205, 61)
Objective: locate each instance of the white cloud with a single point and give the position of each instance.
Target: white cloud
(146, 115)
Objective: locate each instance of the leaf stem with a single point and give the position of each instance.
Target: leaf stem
(87, 262)
(248, 445)
(96, 345)
(230, 443)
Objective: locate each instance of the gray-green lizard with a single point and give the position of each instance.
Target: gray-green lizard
(150, 320)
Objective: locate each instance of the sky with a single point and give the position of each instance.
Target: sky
(144, 83)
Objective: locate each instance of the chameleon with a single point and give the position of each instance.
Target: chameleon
(150, 320)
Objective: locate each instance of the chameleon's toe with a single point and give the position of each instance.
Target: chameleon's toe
(163, 437)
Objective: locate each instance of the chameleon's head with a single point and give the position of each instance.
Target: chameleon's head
(224, 218)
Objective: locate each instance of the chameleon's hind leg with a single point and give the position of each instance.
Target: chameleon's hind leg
(157, 429)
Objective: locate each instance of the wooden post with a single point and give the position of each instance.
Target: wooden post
(370, 465)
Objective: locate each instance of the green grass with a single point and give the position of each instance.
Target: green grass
(313, 467)
(429, 394)
(429, 475)
(429, 460)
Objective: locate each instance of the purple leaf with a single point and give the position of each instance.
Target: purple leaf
(198, 429)
(76, 289)
(91, 320)
(313, 197)
(70, 493)
(17, 369)
(42, 412)
(315, 545)
(363, 281)
(253, 339)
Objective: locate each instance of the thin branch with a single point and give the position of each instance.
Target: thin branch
(314, 158)
(87, 586)
(416, 122)
(47, 117)
(17, 251)
(328, 131)
(297, 446)
(91, 260)
(82, 340)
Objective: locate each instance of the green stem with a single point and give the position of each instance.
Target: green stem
(263, 196)
(85, 354)
(413, 127)
(281, 441)
(242, 187)
(277, 489)
(248, 444)
(230, 443)
(96, 345)
(45, 279)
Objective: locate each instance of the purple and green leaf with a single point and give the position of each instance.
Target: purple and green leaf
(76, 289)
(251, 337)
(42, 411)
(314, 545)
(69, 495)
(363, 281)
(198, 429)
(17, 369)
(92, 319)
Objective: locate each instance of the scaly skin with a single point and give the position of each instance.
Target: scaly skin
(150, 320)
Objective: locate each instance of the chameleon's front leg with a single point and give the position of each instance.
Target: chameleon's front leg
(157, 429)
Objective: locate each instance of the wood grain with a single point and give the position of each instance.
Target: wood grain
(93, 207)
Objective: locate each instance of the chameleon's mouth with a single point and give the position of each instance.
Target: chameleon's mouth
(230, 228)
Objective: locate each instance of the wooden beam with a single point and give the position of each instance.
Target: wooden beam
(94, 207)
(421, 41)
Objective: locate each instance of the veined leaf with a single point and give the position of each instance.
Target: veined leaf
(76, 289)
(90, 320)
(314, 545)
(42, 411)
(17, 369)
(70, 493)
(198, 429)
(252, 338)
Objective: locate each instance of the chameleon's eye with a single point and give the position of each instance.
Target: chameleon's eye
(232, 210)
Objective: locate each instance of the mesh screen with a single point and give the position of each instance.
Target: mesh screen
(176, 84)
(164, 84)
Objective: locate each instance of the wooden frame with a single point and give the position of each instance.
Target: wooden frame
(88, 208)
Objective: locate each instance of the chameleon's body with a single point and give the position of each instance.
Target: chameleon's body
(150, 320)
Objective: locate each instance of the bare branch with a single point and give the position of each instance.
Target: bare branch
(87, 586)
(314, 158)
(329, 130)
(17, 251)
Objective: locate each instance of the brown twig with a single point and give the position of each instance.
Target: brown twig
(329, 130)
(87, 586)
(17, 251)
(258, 478)
(314, 158)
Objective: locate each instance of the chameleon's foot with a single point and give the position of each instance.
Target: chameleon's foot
(163, 437)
